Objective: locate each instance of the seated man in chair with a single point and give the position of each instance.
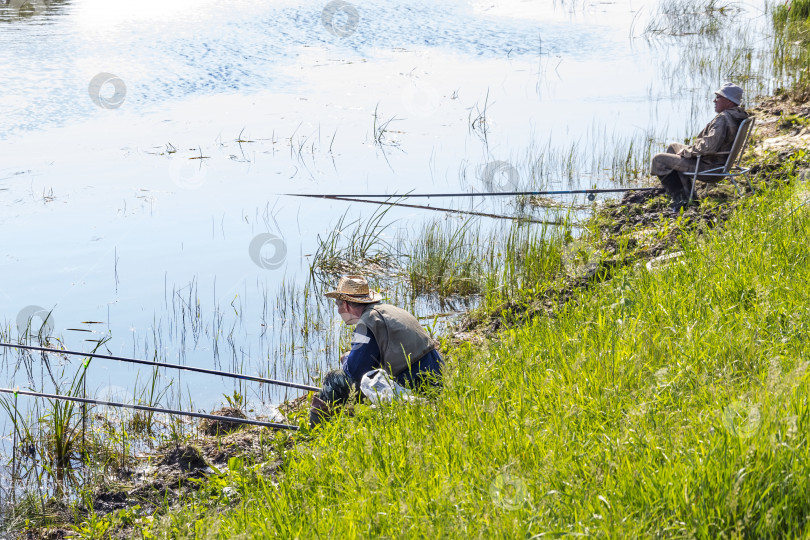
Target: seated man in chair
(717, 136)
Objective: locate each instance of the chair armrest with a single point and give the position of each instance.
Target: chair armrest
(707, 172)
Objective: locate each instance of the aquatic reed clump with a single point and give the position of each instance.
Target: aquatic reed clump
(690, 17)
(457, 259)
(48, 441)
(791, 56)
(795, 11)
(356, 245)
(447, 259)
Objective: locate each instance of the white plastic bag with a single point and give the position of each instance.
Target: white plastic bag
(378, 387)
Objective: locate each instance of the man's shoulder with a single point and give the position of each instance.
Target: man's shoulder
(387, 311)
(734, 114)
(376, 311)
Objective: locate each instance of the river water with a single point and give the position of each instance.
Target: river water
(146, 150)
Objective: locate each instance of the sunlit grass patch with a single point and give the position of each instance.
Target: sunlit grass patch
(665, 402)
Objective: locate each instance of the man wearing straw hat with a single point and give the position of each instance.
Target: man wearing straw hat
(385, 337)
(717, 136)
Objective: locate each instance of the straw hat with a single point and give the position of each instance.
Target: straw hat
(354, 289)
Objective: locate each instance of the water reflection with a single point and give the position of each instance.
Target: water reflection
(36, 11)
(170, 51)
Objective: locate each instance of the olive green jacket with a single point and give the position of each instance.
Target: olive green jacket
(400, 337)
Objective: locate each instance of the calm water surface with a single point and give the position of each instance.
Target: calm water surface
(110, 225)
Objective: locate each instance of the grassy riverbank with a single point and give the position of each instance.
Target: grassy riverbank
(667, 402)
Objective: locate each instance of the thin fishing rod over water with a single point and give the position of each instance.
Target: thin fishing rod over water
(166, 365)
(149, 409)
(487, 194)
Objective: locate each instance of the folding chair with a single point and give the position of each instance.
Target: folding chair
(732, 167)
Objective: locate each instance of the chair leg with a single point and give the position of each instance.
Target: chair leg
(736, 187)
(748, 181)
(694, 181)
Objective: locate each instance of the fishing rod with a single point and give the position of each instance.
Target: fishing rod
(488, 194)
(166, 365)
(150, 409)
(437, 209)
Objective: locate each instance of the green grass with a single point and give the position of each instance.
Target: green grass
(793, 10)
(668, 403)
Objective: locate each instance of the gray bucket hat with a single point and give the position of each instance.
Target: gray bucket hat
(731, 92)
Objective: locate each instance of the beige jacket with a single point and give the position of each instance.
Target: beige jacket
(717, 136)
